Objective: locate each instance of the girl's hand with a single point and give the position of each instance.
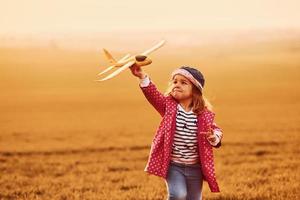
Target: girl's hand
(211, 136)
(137, 71)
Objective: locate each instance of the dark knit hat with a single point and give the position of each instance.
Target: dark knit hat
(194, 75)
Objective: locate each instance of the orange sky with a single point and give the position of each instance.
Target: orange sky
(56, 16)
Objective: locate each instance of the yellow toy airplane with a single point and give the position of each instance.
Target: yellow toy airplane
(127, 61)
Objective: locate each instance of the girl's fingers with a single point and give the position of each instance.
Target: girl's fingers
(210, 132)
(134, 69)
(210, 135)
(211, 138)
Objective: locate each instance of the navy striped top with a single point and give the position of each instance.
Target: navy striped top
(185, 147)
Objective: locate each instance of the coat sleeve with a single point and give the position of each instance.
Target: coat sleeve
(218, 132)
(156, 98)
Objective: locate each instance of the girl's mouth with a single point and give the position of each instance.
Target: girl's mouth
(177, 90)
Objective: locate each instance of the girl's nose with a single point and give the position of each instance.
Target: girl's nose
(177, 84)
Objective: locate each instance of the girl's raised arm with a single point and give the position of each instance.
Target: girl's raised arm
(156, 98)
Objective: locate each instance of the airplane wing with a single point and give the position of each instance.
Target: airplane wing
(106, 70)
(160, 44)
(111, 67)
(124, 58)
(118, 71)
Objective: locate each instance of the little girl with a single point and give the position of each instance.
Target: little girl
(181, 150)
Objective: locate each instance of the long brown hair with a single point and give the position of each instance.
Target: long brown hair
(199, 102)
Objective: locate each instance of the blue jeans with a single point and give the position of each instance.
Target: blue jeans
(184, 182)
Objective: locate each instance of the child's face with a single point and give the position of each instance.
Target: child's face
(181, 88)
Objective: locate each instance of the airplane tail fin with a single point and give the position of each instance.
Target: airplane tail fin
(109, 57)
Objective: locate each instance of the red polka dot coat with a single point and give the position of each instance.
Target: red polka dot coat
(160, 153)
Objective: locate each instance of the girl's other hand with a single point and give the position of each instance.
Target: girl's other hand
(211, 136)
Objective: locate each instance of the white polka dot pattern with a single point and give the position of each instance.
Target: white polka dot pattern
(160, 153)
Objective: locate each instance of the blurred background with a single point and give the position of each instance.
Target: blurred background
(65, 136)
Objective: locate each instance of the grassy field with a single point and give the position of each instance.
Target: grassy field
(64, 136)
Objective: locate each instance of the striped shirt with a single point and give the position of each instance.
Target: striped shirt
(185, 145)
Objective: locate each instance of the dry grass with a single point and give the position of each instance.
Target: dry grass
(63, 136)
